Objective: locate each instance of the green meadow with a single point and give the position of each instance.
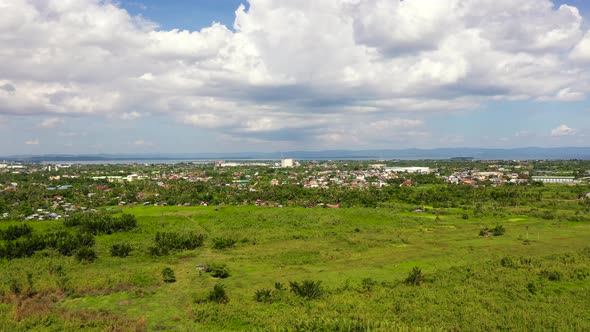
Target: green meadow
(359, 269)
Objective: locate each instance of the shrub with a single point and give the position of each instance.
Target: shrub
(101, 223)
(279, 286)
(218, 295)
(415, 277)
(552, 275)
(15, 232)
(167, 242)
(263, 295)
(496, 231)
(168, 275)
(86, 255)
(508, 262)
(15, 287)
(367, 284)
(223, 243)
(121, 250)
(308, 289)
(217, 270)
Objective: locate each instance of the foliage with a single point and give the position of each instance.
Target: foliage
(121, 249)
(307, 289)
(168, 275)
(165, 242)
(367, 284)
(86, 255)
(218, 270)
(496, 231)
(64, 242)
(223, 243)
(263, 295)
(415, 277)
(218, 294)
(101, 223)
(15, 231)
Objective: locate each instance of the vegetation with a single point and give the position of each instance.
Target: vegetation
(390, 258)
(121, 249)
(307, 289)
(168, 275)
(218, 295)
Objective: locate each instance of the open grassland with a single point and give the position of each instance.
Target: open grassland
(534, 277)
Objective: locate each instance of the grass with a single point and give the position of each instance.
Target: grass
(463, 273)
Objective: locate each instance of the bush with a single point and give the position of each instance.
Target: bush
(217, 270)
(168, 275)
(167, 242)
(308, 289)
(496, 231)
(86, 255)
(121, 250)
(415, 277)
(367, 284)
(101, 223)
(15, 232)
(223, 243)
(263, 295)
(218, 295)
(552, 275)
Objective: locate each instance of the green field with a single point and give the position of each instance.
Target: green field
(534, 277)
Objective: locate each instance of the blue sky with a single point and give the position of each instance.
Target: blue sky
(159, 76)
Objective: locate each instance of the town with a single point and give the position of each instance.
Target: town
(52, 191)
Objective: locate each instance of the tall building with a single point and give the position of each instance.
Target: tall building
(287, 162)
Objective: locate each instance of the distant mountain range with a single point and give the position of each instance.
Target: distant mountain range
(527, 153)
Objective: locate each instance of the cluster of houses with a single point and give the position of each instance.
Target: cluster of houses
(477, 178)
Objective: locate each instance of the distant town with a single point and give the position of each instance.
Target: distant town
(44, 191)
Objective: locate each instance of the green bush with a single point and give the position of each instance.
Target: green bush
(367, 284)
(218, 295)
(166, 242)
(168, 275)
(15, 232)
(263, 295)
(121, 250)
(307, 289)
(101, 223)
(223, 243)
(86, 255)
(217, 270)
(496, 231)
(415, 277)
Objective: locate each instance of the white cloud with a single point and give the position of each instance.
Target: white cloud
(563, 130)
(322, 67)
(50, 123)
(130, 116)
(32, 142)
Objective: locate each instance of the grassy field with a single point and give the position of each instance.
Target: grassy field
(534, 277)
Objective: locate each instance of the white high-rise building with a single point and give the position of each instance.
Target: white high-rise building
(287, 162)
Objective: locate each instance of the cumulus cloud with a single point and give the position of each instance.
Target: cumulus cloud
(50, 123)
(563, 130)
(292, 70)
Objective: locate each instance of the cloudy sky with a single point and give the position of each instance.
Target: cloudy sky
(92, 76)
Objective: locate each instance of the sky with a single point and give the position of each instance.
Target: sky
(147, 76)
